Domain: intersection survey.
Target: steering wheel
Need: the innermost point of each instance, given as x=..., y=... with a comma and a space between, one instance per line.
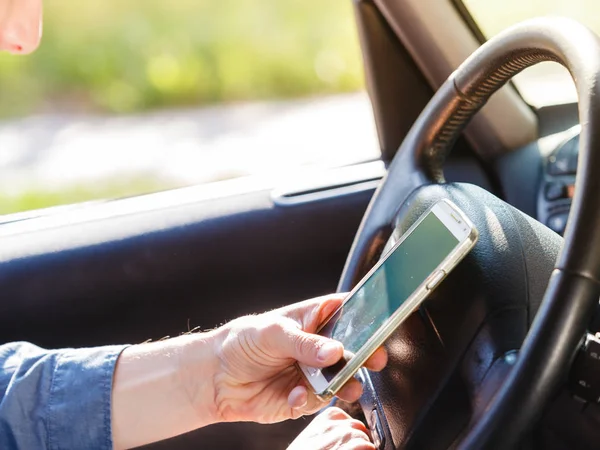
x=491, y=347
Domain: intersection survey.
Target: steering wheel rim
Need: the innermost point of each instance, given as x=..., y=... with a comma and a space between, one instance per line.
x=559, y=325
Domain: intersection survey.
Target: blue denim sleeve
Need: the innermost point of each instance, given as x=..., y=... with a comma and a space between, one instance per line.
x=56, y=399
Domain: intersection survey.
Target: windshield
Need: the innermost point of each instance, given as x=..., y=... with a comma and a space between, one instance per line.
x=546, y=83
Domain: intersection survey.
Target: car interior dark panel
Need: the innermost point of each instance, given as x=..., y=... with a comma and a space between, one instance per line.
x=558, y=185
x=539, y=178
x=568, y=424
x=398, y=91
x=520, y=174
x=556, y=118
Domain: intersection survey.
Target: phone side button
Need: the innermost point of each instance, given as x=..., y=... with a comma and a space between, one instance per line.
x=435, y=279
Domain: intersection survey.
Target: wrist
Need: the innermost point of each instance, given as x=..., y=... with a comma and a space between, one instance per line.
x=199, y=366
x=220, y=393
x=163, y=389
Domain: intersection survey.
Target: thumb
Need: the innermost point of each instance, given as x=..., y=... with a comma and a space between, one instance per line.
x=306, y=348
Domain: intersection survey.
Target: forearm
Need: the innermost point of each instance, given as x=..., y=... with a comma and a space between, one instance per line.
x=163, y=389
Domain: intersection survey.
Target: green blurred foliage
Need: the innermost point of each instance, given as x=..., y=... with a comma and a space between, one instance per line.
x=37, y=198
x=133, y=55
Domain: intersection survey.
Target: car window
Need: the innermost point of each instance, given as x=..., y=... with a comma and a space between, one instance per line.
x=133, y=96
x=546, y=83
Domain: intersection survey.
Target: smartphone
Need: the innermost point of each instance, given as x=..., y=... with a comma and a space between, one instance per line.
x=392, y=290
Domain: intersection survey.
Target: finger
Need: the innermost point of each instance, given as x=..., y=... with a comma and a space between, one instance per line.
x=309, y=314
x=325, y=309
x=354, y=438
x=288, y=341
x=360, y=444
x=358, y=425
x=304, y=402
x=298, y=397
x=335, y=413
x=378, y=360
x=351, y=391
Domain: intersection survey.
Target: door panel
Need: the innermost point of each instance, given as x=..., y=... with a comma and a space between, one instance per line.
x=148, y=274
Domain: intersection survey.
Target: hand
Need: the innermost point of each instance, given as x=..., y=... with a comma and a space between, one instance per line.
x=333, y=429
x=257, y=379
x=243, y=371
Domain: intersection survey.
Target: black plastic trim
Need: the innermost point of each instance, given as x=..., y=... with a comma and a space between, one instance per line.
x=397, y=89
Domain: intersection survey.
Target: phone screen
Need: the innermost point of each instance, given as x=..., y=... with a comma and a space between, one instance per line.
x=403, y=271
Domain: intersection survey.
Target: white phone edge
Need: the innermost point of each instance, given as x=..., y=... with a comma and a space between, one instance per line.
x=466, y=233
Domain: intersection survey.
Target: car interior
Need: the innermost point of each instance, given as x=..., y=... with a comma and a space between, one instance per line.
x=501, y=355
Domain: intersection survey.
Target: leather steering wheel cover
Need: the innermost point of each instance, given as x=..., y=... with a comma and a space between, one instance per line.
x=578, y=49
x=573, y=291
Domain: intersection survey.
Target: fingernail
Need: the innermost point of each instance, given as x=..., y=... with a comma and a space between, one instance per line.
x=303, y=404
x=301, y=400
x=328, y=351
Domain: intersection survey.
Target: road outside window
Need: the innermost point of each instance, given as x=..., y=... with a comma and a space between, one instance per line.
x=134, y=96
